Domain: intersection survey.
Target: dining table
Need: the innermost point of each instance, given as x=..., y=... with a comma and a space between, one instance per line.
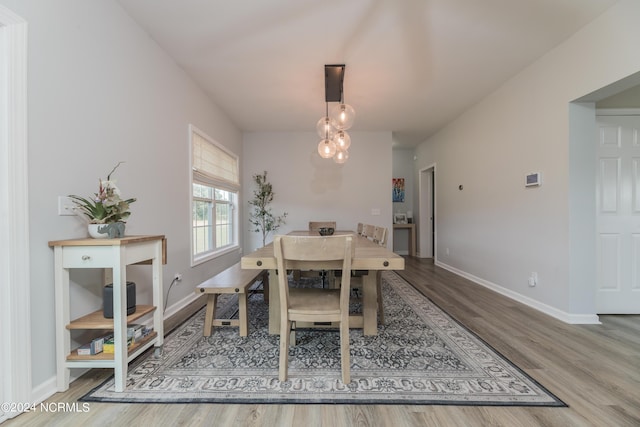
x=368, y=257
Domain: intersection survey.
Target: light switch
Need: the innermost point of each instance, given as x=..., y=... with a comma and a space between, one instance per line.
x=65, y=206
x=375, y=211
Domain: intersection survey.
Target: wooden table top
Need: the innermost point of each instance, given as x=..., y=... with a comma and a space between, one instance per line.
x=368, y=255
x=106, y=242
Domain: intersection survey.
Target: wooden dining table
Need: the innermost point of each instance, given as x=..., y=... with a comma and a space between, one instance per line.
x=368, y=256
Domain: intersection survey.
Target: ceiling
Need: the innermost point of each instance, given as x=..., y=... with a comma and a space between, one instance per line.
x=411, y=65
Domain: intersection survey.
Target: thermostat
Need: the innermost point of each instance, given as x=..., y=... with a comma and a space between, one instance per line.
x=532, y=179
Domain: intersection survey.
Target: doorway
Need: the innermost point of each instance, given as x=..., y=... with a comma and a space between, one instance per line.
x=618, y=209
x=427, y=218
x=587, y=247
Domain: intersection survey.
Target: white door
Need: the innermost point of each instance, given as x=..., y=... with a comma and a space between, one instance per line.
x=618, y=215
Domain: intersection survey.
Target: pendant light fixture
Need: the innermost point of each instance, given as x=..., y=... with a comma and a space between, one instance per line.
x=332, y=128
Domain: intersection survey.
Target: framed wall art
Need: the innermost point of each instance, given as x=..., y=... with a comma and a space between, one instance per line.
x=398, y=189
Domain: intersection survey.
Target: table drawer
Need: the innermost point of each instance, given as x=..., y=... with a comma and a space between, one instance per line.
x=88, y=257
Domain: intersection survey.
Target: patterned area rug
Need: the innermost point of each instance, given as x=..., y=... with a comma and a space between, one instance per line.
x=420, y=356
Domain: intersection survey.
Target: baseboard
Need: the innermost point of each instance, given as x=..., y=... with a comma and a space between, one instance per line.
x=48, y=388
x=177, y=306
x=584, y=319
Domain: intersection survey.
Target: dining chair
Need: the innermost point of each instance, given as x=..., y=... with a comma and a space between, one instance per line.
x=313, y=304
x=317, y=225
x=378, y=236
x=367, y=230
x=327, y=277
x=359, y=228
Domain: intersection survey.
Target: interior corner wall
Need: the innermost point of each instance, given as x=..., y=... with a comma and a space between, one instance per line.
x=403, y=168
x=100, y=91
x=496, y=231
x=310, y=188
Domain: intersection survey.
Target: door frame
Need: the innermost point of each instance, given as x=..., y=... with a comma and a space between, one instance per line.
x=15, y=317
x=427, y=226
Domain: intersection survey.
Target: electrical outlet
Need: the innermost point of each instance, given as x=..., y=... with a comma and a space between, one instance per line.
x=533, y=279
x=177, y=277
x=65, y=206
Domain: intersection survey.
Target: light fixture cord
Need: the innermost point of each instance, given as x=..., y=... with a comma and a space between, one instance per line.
x=326, y=125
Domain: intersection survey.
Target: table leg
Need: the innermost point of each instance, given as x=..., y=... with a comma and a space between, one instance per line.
x=274, y=303
x=370, y=303
x=119, y=323
x=63, y=335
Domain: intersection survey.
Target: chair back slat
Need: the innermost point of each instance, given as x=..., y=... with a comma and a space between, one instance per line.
x=380, y=235
x=367, y=230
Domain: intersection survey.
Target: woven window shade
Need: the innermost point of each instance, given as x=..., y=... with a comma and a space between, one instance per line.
x=212, y=164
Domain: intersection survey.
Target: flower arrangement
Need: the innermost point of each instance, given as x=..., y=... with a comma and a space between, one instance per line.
x=107, y=206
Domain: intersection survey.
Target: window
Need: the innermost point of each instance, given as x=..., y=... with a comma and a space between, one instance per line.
x=214, y=198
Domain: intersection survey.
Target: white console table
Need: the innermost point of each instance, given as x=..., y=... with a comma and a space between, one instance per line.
x=115, y=254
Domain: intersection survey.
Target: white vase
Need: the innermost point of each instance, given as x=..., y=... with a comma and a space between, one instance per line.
x=95, y=233
x=102, y=231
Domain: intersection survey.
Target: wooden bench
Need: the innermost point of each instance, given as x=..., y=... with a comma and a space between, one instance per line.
x=233, y=280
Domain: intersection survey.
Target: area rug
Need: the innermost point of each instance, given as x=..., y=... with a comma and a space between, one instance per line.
x=420, y=356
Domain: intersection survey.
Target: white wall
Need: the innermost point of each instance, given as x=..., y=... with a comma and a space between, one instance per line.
x=497, y=231
x=310, y=188
x=101, y=91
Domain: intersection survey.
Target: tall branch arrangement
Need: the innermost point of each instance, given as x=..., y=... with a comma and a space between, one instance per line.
x=261, y=218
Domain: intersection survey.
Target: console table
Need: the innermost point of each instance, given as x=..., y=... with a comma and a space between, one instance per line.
x=115, y=254
x=412, y=236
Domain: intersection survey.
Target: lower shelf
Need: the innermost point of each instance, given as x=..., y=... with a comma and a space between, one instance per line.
x=109, y=356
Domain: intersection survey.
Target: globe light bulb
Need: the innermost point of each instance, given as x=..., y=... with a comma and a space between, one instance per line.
x=325, y=128
x=326, y=148
x=342, y=116
x=341, y=156
x=343, y=140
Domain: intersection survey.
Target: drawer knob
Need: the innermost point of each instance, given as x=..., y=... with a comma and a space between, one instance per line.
x=386, y=263
x=86, y=257
x=259, y=263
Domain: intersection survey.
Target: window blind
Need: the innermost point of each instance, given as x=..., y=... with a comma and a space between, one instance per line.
x=212, y=164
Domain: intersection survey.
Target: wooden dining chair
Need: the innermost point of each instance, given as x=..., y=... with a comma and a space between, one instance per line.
x=313, y=304
x=379, y=236
x=327, y=277
x=359, y=228
x=367, y=230
x=317, y=225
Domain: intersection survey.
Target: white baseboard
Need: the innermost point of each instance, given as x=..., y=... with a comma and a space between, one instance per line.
x=48, y=388
x=584, y=319
x=177, y=306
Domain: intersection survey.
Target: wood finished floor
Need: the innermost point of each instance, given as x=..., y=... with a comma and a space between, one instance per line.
x=595, y=369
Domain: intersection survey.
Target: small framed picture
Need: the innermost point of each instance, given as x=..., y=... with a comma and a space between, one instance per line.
x=532, y=179
x=398, y=189
x=400, y=218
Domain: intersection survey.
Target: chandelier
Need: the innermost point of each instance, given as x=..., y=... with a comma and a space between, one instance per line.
x=332, y=127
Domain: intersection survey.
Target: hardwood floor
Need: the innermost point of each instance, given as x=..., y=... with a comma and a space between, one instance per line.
x=595, y=369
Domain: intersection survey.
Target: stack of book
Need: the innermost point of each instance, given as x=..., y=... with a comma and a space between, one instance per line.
x=105, y=344
x=94, y=347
